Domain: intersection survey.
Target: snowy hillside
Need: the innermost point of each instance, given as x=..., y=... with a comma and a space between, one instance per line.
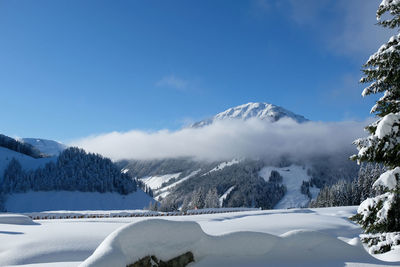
x=296, y=237
x=293, y=177
x=155, y=182
x=263, y=111
x=27, y=162
x=164, y=191
x=74, y=200
x=223, y=165
x=47, y=147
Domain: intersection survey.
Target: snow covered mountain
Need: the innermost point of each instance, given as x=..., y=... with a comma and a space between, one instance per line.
x=48, y=147
x=244, y=182
x=263, y=111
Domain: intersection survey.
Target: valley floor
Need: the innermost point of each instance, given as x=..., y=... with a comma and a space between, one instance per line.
x=68, y=242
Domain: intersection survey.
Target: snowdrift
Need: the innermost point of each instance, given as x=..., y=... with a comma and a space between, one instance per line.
x=8, y=218
x=168, y=239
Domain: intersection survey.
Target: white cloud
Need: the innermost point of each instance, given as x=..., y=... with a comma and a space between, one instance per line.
x=345, y=27
x=357, y=33
x=228, y=139
x=172, y=81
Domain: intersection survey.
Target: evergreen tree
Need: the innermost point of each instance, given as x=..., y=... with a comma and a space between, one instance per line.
x=198, y=199
x=382, y=73
x=13, y=175
x=212, y=200
x=185, y=204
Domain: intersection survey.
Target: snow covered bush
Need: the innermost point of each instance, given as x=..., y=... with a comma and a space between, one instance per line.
x=382, y=73
x=383, y=242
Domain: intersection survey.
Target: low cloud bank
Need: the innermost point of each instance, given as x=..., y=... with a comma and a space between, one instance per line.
x=227, y=139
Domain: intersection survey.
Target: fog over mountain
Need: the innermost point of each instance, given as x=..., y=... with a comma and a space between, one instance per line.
x=253, y=130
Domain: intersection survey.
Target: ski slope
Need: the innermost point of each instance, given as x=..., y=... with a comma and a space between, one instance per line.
x=293, y=177
x=155, y=182
x=296, y=237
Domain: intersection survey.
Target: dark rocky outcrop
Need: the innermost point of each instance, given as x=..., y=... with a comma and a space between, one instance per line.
x=152, y=261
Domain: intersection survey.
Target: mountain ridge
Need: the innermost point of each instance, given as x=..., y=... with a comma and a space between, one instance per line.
x=261, y=110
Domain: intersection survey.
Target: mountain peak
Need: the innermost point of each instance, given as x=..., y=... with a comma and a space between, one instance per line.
x=260, y=110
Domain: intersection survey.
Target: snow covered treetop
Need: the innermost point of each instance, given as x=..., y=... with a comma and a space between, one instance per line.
x=260, y=110
x=392, y=6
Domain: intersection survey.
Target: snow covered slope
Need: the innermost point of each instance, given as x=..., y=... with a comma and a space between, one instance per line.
x=164, y=191
x=27, y=162
x=223, y=165
x=296, y=237
x=293, y=177
x=263, y=111
x=155, y=182
x=48, y=147
x=74, y=200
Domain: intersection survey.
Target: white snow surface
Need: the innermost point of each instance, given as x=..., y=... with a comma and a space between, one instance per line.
x=388, y=179
x=27, y=162
x=296, y=237
x=124, y=171
x=48, y=147
x=293, y=177
x=74, y=200
x=386, y=126
x=155, y=182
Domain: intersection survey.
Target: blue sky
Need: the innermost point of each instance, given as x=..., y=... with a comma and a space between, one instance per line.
x=70, y=69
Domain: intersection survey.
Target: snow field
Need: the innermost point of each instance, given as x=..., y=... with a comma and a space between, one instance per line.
x=302, y=237
x=293, y=237
x=73, y=200
x=170, y=239
x=65, y=214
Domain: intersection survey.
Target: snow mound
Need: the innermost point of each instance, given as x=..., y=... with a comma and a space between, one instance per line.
x=169, y=239
x=7, y=218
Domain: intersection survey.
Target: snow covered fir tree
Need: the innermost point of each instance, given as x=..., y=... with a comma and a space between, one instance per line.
x=380, y=215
